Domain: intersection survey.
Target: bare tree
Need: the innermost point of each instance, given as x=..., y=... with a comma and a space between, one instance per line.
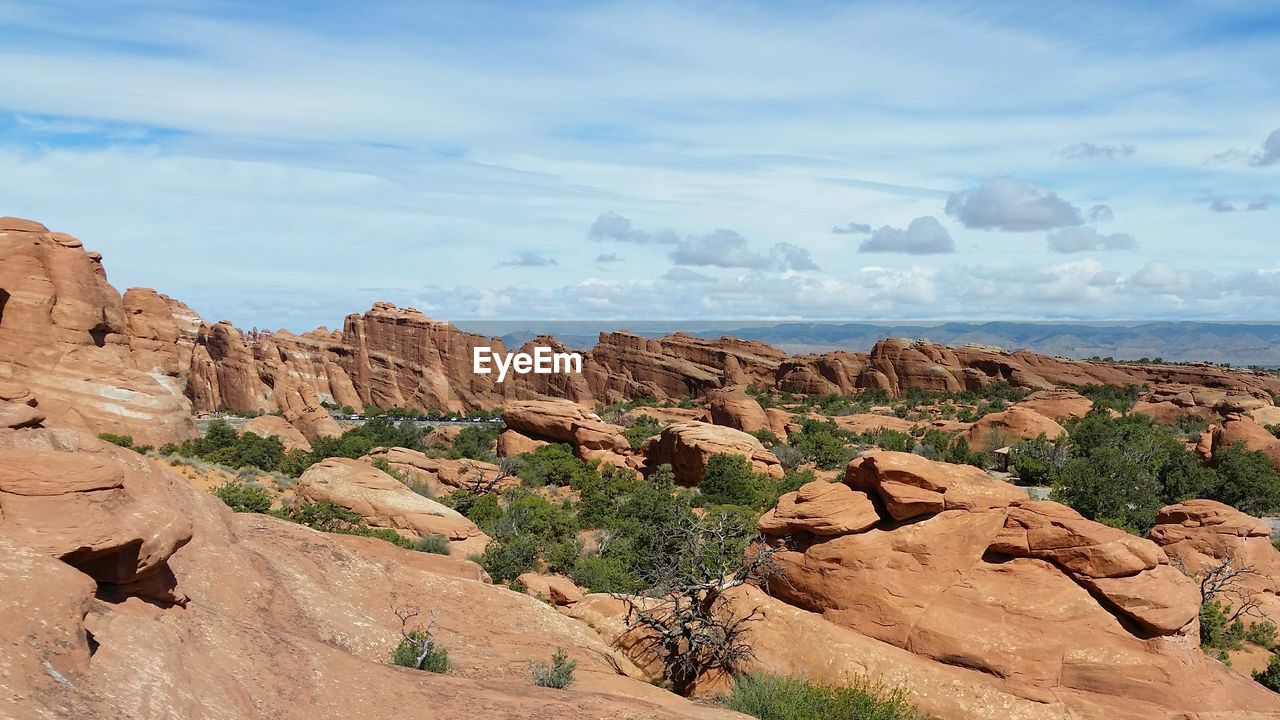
x=1220, y=581
x=417, y=644
x=480, y=484
x=678, y=621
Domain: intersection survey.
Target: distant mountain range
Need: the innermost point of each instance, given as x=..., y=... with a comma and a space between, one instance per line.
x=1240, y=344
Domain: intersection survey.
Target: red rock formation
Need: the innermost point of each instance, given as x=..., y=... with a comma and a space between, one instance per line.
x=733, y=407
x=1203, y=534
x=1005, y=428
x=64, y=334
x=276, y=426
x=689, y=446
x=281, y=621
x=1058, y=615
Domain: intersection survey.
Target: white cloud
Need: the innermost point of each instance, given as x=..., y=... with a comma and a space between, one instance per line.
x=924, y=236
x=1005, y=203
x=1088, y=239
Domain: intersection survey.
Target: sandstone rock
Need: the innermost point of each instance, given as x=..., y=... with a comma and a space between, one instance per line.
x=443, y=435
x=64, y=337
x=63, y=495
x=733, y=407
x=1005, y=428
x=687, y=447
x=557, y=589
x=284, y=622
x=1062, y=617
x=442, y=475
x=1057, y=404
x=1241, y=429
x=563, y=421
x=1203, y=534
x=382, y=500
x=512, y=443
x=19, y=415
x=276, y=426
x=820, y=508
x=911, y=486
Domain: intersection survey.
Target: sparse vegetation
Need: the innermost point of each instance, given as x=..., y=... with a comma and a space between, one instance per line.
x=777, y=697
x=244, y=497
x=558, y=674
x=418, y=647
x=434, y=544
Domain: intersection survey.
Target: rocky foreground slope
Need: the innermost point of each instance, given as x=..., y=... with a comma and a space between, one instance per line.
x=140, y=362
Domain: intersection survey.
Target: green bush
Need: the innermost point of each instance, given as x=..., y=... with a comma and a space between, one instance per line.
x=1112, y=397
x=552, y=464
x=1217, y=631
x=475, y=442
x=824, y=443
x=730, y=480
x=559, y=674
x=1270, y=677
x=418, y=650
x=124, y=441
x=776, y=697
x=507, y=560
x=642, y=429
x=1262, y=633
x=243, y=498
x=1036, y=461
x=434, y=544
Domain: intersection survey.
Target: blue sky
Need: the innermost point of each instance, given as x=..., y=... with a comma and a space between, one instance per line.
x=278, y=164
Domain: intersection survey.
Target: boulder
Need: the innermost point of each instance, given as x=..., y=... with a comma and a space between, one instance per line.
x=443, y=435
x=1236, y=428
x=556, y=589
x=911, y=486
x=443, y=475
x=567, y=422
x=820, y=508
x=512, y=443
x=1059, y=616
x=688, y=446
x=1005, y=428
x=1057, y=404
x=385, y=502
x=733, y=407
x=276, y=426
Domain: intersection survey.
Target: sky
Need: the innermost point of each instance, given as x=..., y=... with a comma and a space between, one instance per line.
x=285, y=164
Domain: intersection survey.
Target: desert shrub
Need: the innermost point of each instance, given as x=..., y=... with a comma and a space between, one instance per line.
x=603, y=574
x=1246, y=480
x=895, y=440
x=243, y=497
x=642, y=429
x=822, y=442
x=767, y=437
x=1036, y=461
x=777, y=697
x=418, y=647
x=730, y=480
x=1262, y=633
x=788, y=456
x=507, y=560
x=409, y=653
x=434, y=544
x=559, y=674
x=1112, y=397
x=552, y=464
x=1217, y=631
x=1270, y=677
x=124, y=441
x=475, y=442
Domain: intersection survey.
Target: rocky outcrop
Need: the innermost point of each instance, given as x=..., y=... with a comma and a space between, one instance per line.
x=281, y=621
x=442, y=475
x=1204, y=534
x=555, y=589
x=733, y=407
x=1009, y=426
x=567, y=422
x=820, y=508
x=1240, y=429
x=62, y=493
x=512, y=443
x=1169, y=401
x=1017, y=608
x=385, y=502
x=65, y=336
x=1059, y=404
x=687, y=447
x=276, y=426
